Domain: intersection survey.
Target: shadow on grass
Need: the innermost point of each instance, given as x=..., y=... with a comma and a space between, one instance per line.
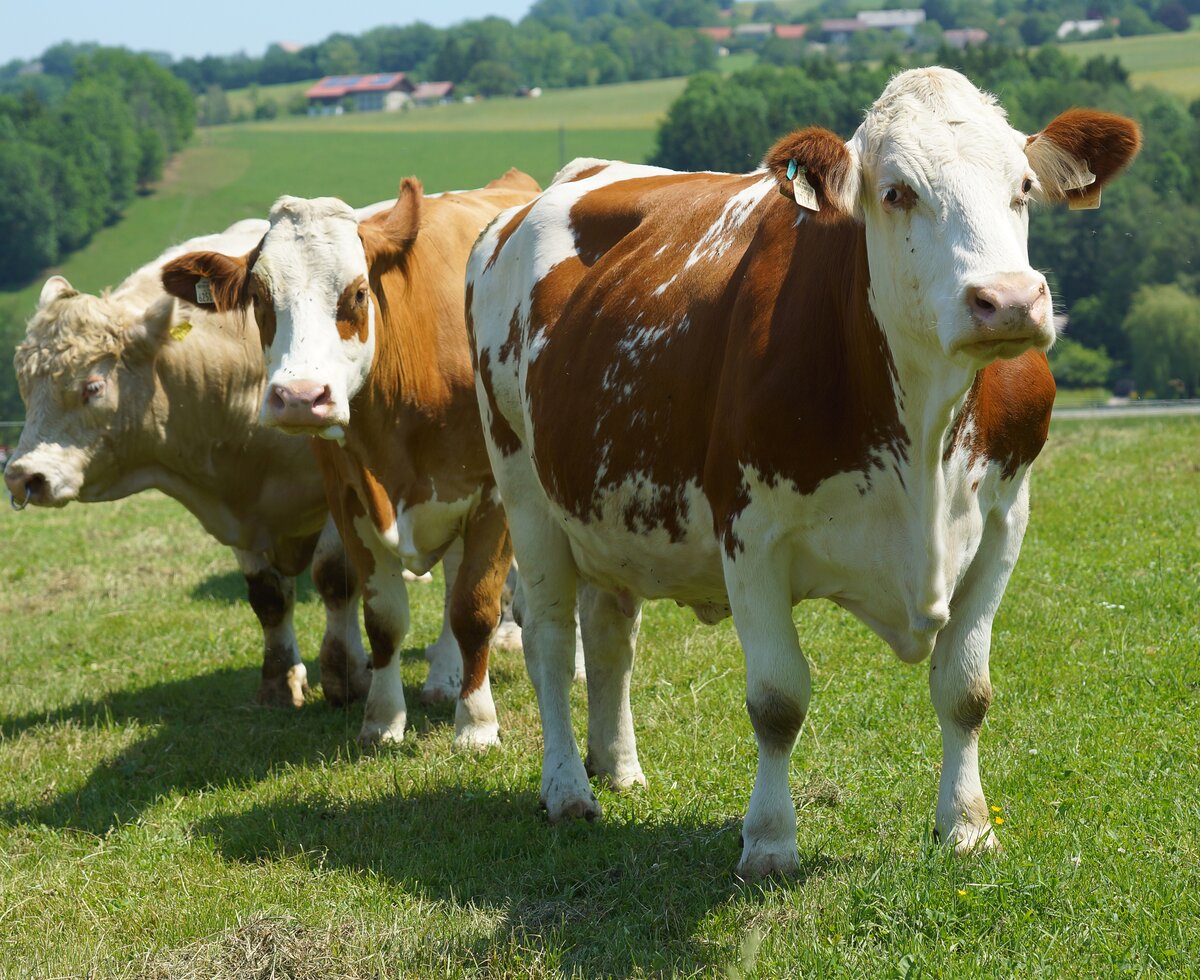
x=229, y=588
x=205, y=732
x=602, y=899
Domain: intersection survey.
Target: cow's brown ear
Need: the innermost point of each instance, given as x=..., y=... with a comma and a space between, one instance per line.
x=816, y=170
x=389, y=236
x=210, y=280
x=1079, y=152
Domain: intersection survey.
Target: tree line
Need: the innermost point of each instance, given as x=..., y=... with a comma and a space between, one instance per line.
x=76, y=145
x=560, y=44
x=1126, y=275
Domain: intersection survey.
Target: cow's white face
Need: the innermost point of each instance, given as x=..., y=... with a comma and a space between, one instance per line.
x=85, y=384
x=316, y=315
x=944, y=191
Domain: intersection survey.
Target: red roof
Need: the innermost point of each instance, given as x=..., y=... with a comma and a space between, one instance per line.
x=791, y=31
x=432, y=90
x=717, y=33
x=336, y=86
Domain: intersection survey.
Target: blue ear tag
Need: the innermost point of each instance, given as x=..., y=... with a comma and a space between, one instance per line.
x=791, y=170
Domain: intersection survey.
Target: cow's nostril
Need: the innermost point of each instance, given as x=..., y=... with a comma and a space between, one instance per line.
x=323, y=397
x=276, y=398
x=35, y=483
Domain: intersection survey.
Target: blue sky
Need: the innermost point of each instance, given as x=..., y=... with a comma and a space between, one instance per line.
x=217, y=26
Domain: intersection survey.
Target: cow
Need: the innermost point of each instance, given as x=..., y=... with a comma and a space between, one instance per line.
x=823, y=379
x=131, y=390
x=362, y=321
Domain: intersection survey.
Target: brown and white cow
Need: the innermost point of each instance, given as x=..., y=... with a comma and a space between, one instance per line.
x=131, y=390
x=361, y=315
x=697, y=387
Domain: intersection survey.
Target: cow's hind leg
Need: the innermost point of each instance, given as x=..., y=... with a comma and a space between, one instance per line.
x=344, y=674
x=609, y=638
x=474, y=612
x=273, y=598
x=445, y=661
x=778, y=687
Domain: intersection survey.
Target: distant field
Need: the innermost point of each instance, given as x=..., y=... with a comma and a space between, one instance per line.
x=156, y=825
x=243, y=99
x=1168, y=61
x=232, y=172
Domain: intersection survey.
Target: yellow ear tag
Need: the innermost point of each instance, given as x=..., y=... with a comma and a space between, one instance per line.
x=803, y=191
x=180, y=330
x=1088, y=201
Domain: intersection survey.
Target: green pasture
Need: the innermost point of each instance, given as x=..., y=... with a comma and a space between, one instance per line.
x=154, y=823
x=1169, y=61
x=236, y=171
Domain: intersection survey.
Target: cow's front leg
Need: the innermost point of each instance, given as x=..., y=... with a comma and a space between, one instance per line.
x=385, y=618
x=474, y=612
x=273, y=597
x=777, y=694
x=344, y=674
x=609, y=637
x=445, y=661
x=960, y=684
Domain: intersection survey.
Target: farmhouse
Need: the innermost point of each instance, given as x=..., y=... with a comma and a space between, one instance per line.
x=387, y=92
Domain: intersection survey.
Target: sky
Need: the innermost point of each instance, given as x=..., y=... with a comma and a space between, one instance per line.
x=217, y=26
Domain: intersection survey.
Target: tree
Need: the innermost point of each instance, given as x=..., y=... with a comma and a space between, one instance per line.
x=1076, y=366
x=493, y=78
x=1174, y=15
x=28, y=239
x=1164, y=333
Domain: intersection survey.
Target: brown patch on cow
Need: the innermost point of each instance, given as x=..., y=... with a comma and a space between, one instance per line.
x=475, y=601
x=264, y=311
x=776, y=718
x=334, y=581
x=503, y=436
x=352, y=320
x=973, y=706
x=380, y=637
x=828, y=169
x=586, y=172
x=1010, y=403
x=1104, y=141
x=271, y=597
x=506, y=233
x=763, y=353
x=389, y=236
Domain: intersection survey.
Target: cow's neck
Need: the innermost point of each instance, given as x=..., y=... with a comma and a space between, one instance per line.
x=931, y=393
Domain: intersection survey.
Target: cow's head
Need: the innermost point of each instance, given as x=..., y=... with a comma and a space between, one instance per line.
x=313, y=282
x=85, y=371
x=943, y=185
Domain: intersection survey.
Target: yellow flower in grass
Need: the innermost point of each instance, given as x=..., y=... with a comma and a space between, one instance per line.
x=999, y=821
x=997, y=809
x=962, y=893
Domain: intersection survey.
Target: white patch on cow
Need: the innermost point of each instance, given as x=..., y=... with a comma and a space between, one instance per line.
x=421, y=533
x=721, y=234
x=311, y=254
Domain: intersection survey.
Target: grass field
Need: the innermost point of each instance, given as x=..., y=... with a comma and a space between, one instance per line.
x=155, y=824
x=1168, y=61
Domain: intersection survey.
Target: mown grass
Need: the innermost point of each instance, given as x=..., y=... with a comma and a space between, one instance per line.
x=1168, y=61
x=155, y=823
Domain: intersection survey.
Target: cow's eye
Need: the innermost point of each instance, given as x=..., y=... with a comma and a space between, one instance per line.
x=92, y=388
x=1027, y=186
x=361, y=296
x=899, y=197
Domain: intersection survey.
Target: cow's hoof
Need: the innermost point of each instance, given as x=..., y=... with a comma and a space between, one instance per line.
x=439, y=693
x=570, y=806
x=508, y=637
x=288, y=691
x=768, y=860
x=616, y=778
x=378, y=736
x=477, y=738
x=974, y=841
